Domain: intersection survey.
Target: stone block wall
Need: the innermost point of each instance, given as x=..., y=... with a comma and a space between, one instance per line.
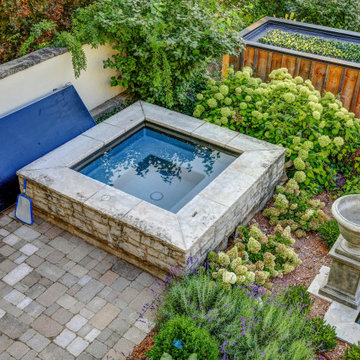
x=116, y=237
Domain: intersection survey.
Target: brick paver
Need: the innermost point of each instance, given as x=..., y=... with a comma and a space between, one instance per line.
x=61, y=298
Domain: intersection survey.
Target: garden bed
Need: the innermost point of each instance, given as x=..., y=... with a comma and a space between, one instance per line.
x=335, y=75
x=313, y=253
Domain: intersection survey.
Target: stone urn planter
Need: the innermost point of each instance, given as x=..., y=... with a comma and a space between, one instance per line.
x=343, y=283
x=346, y=211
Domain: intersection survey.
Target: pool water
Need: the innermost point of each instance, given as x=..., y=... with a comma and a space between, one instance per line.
x=159, y=168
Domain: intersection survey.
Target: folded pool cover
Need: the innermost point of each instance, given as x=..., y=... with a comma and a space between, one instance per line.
x=35, y=129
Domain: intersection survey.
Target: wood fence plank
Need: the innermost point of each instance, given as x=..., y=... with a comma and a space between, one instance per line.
x=275, y=61
x=349, y=87
x=356, y=93
x=304, y=69
x=262, y=64
x=290, y=64
x=318, y=75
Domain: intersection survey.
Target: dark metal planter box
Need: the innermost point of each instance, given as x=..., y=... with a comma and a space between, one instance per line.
x=338, y=76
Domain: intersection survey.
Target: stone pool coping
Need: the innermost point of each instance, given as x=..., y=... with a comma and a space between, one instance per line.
x=203, y=223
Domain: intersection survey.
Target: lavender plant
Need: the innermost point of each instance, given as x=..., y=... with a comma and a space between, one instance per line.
x=245, y=321
x=296, y=296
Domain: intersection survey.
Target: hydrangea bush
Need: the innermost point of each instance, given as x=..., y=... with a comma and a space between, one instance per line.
x=322, y=137
x=255, y=257
x=293, y=207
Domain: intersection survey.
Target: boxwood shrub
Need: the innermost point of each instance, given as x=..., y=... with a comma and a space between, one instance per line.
x=322, y=137
x=329, y=232
x=313, y=44
x=180, y=338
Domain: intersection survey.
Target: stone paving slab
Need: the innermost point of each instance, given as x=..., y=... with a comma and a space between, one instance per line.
x=61, y=298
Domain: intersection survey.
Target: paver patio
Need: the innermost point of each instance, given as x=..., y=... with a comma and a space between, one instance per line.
x=61, y=298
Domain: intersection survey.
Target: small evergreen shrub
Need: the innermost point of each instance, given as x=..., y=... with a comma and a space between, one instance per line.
x=294, y=207
x=323, y=336
x=180, y=338
x=313, y=44
x=296, y=296
x=322, y=138
x=167, y=356
x=255, y=258
x=353, y=353
x=329, y=232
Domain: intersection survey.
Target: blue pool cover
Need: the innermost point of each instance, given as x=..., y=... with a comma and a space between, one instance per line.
x=35, y=129
x=159, y=168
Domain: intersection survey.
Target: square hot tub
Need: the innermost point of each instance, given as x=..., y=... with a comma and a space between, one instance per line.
x=159, y=166
x=153, y=186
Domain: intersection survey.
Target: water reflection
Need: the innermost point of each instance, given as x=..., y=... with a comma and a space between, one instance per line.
x=169, y=159
x=150, y=161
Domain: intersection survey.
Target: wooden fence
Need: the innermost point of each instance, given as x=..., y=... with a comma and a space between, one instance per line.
x=342, y=78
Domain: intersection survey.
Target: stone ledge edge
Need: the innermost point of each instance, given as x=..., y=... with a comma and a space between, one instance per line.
x=28, y=60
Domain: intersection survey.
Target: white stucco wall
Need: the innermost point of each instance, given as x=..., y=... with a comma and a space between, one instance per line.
x=93, y=85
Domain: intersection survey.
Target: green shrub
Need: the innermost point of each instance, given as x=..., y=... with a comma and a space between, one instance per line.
x=323, y=336
x=167, y=356
x=253, y=10
x=313, y=44
x=293, y=207
x=160, y=46
x=255, y=258
x=36, y=32
x=201, y=299
x=297, y=296
x=342, y=14
x=24, y=25
x=353, y=353
x=193, y=339
x=329, y=232
x=275, y=333
x=246, y=323
x=322, y=138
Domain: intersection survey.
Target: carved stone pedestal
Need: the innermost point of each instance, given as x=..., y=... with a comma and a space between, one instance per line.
x=344, y=278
